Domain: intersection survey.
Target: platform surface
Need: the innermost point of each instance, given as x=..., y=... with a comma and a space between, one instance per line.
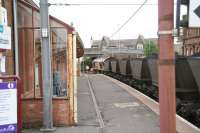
x=121, y=112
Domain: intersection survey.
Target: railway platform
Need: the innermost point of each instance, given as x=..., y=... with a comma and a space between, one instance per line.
x=105, y=107
x=120, y=112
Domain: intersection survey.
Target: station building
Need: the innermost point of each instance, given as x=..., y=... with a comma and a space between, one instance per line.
x=64, y=39
x=121, y=48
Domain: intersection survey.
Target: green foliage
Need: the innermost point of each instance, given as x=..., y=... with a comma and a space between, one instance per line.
x=86, y=62
x=150, y=48
x=184, y=21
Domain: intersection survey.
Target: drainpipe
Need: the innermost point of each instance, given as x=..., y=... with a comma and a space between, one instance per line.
x=16, y=38
x=166, y=67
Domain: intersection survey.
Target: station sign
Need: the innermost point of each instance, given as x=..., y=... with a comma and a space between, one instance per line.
x=5, y=37
x=8, y=107
x=3, y=16
x=194, y=13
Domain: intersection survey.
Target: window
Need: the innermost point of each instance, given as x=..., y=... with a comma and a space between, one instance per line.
x=140, y=46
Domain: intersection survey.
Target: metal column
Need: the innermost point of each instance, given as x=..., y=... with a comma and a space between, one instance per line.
x=46, y=67
x=16, y=38
x=166, y=67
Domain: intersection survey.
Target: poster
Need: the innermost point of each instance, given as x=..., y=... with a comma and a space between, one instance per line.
x=3, y=16
x=5, y=37
x=8, y=107
x=3, y=64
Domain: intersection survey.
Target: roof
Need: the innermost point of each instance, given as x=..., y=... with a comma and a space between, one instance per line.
x=31, y=4
x=140, y=39
x=101, y=59
x=92, y=51
x=80, y=46
x=70, y=29
x=123, y=42
x=96, y=43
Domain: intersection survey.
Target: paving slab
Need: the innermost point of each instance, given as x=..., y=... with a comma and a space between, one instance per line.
x=121, y=112
x=86, y=110
x=76, y=129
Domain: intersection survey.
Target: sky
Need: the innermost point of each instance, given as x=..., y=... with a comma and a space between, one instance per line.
x=99, y=21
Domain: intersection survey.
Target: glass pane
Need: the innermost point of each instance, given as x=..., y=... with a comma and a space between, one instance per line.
x=26, y=60
x=24, y=16
x=31, y=61
x=59, y=61
x=36, y=19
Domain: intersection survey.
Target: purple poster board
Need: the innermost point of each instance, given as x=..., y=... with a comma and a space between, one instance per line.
x=8, y=107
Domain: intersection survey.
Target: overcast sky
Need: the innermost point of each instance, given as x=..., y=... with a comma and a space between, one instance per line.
x=99, y=21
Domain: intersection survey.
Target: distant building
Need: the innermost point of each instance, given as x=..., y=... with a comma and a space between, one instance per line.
x=178, y=46
x=191, y=41
x=122, y=47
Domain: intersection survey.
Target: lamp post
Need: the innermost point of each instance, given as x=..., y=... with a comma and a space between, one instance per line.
x=46, y=67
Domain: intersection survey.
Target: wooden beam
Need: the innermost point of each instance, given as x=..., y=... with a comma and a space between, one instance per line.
x=70, y=78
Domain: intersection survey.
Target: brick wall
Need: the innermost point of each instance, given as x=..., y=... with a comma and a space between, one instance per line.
x=32, y=112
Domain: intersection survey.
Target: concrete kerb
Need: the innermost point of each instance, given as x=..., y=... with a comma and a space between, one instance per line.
x=48, y=130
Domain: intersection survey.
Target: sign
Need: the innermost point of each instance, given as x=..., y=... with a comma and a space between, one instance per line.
x=8, y=107
x=3, y=16
x=5, y=37
x=3, y=64
x=194, y=13
x=1, y=28
x=44, y=32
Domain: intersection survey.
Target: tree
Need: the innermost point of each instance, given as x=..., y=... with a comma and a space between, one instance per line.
x=86, y=62
x=150, y=48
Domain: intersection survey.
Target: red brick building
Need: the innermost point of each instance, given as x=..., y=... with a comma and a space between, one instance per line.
x=191, y=41
x=30, y=65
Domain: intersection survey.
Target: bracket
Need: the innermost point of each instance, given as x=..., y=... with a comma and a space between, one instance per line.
x=173, y=32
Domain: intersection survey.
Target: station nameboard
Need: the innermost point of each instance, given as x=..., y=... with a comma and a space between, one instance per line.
x=8, y=107
x=194, y=13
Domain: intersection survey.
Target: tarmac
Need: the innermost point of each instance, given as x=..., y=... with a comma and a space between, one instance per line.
x=120, y=111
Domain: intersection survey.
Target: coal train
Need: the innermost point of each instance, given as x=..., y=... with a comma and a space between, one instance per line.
x=142, y=74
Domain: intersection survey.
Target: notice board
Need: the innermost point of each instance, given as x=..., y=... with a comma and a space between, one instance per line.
x=8, y=107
